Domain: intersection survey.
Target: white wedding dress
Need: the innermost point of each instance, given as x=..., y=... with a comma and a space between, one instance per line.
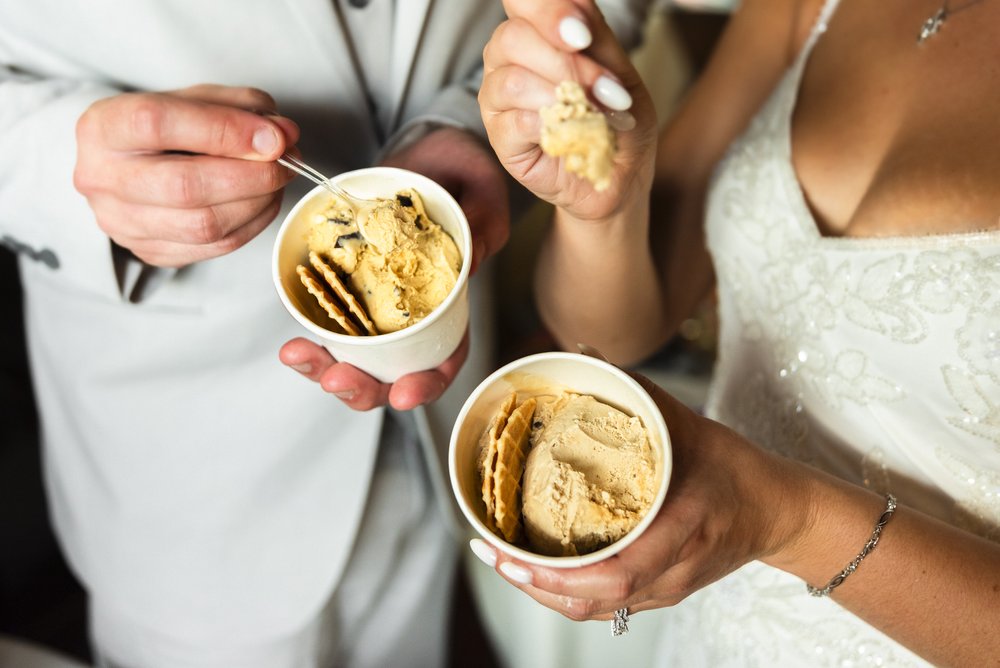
x=877, y=360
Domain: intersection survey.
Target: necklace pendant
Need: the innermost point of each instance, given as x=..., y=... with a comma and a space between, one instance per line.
x=932, y=25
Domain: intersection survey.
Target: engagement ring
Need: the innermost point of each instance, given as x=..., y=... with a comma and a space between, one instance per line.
x=619, y=625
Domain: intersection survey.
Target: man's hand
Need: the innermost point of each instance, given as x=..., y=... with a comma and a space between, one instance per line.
x=186, y=175
x=466, y=167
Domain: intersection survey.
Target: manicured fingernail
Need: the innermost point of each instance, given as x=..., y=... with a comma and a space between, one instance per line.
x=611, y=94
x=516, y=573
x=265, y=140
x=305, y=367
x=591, y=351
x=346, y=395
x=575, y=32
x=620, y=121
x=486, y=554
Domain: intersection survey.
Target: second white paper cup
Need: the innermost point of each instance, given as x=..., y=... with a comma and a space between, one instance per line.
x=387, y=357
x=549, y=373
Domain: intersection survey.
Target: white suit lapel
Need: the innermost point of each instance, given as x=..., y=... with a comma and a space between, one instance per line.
x=407, y=30
x=333, y=56
x=314, y=18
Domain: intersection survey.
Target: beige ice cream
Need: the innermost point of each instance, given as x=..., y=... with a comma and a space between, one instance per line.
x=589, y=476
x=403, y=267
x=575, y=130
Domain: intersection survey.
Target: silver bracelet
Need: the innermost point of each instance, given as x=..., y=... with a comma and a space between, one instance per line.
x=890, y=508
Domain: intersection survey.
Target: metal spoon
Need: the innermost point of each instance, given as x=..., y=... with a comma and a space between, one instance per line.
x=358, y=204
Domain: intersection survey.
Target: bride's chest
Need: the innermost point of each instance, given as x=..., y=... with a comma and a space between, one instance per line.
x=892, y=138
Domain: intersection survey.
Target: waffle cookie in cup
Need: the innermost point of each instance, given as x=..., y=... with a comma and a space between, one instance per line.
x=505, y=450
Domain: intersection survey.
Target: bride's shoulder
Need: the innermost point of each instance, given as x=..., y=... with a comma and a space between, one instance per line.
x=794, y=20
x=805, y=14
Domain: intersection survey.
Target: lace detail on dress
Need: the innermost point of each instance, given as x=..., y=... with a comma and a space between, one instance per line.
x=778, y=628
x=877, y=360
x=978, y=507
x=874, y=472
x=786, y=431
x=814, y=327
x=980, y=414
x=976, y=388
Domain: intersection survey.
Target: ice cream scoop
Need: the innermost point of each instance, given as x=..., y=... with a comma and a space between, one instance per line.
x=576, y=131
x=358, y=205
x=589, y=478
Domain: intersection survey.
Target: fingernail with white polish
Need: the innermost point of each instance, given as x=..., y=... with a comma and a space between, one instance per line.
x=611, y=94
x=575, y=32
x=485, y=553
x=591, y=351
x=621, y=121
x=516, y=573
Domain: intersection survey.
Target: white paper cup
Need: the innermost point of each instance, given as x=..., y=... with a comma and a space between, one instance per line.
x=422, y=346
x=549, y=373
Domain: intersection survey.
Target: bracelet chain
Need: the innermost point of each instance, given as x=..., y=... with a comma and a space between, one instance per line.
x=890, y=508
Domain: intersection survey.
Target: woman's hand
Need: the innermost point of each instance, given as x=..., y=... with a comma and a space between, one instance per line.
x=719, y=513
x=186, y=175
x=539, y=46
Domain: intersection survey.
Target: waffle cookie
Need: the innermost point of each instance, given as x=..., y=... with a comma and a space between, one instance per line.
x=329, y=303
x=331, y=293
x=333, y=280
x=505, y=446
x=489, y=460
x=512, y=451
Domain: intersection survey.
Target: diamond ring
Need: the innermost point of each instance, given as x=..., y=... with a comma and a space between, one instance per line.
x=619, y=625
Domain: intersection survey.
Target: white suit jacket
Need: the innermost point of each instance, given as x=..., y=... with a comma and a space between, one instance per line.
x=196, y=483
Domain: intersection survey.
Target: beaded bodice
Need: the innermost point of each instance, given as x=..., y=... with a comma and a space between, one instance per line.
x=877, y=360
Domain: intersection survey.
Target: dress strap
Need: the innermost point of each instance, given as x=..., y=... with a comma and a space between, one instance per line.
x=819, y=27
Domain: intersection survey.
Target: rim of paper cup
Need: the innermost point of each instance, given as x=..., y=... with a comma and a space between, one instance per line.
x=535, y=558
x=377, y=339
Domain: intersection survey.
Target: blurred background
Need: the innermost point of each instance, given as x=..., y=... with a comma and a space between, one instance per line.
x=43, y=607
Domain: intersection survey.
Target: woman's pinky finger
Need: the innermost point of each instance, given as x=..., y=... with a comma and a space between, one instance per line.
x=571, y=607
x=575, y=608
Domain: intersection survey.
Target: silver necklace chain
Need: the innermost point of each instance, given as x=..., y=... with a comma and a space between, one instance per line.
x=933, y=25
